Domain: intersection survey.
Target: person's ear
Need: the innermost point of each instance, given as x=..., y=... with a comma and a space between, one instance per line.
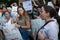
x=48, y=14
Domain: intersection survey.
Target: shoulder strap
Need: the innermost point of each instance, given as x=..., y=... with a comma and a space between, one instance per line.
x=45, y=24
x=43, y=27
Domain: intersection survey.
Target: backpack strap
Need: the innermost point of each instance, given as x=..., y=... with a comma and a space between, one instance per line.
x=42, y=28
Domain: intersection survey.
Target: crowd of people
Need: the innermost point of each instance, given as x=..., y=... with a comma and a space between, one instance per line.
x=31, y=20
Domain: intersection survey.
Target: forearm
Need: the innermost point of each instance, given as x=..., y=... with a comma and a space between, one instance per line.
x=34, y=35
x=45, y=39
x=35, y=3
x=25, y=27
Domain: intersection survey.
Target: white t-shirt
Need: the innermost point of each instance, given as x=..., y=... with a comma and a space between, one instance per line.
x=36, y=24
x=14, y=10
x=50, y=31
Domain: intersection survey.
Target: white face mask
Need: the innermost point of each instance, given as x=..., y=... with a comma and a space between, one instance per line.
x=59, y=12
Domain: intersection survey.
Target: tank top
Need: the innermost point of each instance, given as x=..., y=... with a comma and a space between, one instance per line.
x=8, y=23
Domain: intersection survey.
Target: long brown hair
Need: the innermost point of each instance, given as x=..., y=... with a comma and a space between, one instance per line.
x=25, y=14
